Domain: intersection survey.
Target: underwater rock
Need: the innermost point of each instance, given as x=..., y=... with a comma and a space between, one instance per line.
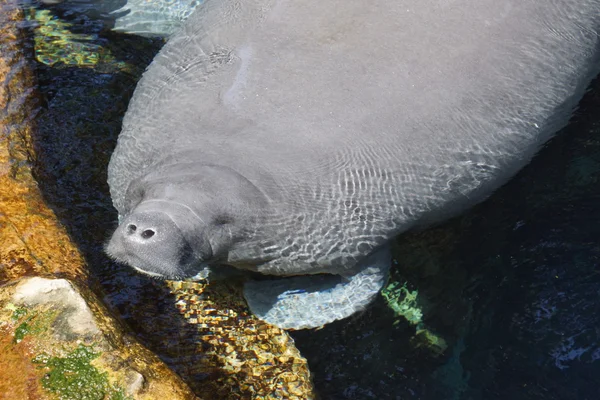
x=243, y=356
x=33, y=242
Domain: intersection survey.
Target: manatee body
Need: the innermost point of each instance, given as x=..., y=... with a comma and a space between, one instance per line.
x=140, y=17
x=299, y=138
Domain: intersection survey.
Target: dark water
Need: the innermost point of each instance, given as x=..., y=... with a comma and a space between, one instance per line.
x=512, y=287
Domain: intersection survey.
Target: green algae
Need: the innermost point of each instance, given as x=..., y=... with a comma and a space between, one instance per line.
x=429, y=340
x=30, y=323
x=22, y=330
x=18, y=312
x=403, y=301
x=74, y=376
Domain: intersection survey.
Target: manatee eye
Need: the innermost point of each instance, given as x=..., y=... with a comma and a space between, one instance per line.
x=131, y=228
x=147, y=234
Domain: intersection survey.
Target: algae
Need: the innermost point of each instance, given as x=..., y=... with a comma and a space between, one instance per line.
x=403, y=301
x=18, y=312
x=75, y=377
x=30, y=323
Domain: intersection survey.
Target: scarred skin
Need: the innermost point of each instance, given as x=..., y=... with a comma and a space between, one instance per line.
x=299, y=138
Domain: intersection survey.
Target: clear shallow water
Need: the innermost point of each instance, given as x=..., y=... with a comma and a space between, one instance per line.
x=512, y=287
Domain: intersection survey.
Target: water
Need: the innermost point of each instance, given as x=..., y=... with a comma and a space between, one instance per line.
x=505, y=298
x=512, y=287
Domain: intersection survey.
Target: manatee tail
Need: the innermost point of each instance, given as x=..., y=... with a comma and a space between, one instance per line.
x=311, y=301
x=153, y=18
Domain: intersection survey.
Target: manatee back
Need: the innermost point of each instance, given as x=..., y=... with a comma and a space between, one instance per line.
x=445, y=99
x=154, y=127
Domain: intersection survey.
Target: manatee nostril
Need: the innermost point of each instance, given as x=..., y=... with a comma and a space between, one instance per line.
x=147, y=234
x=131, y=228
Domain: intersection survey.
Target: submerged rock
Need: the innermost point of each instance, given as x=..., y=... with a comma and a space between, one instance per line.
x=33, y=242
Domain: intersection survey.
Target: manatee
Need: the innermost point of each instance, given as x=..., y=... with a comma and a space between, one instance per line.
x=297, y=139
x=141, y=17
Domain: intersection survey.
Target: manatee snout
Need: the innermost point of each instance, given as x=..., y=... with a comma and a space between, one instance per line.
x=141, y=235
x=153, y=243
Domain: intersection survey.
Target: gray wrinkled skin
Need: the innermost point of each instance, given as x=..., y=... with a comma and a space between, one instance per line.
x=299, y=138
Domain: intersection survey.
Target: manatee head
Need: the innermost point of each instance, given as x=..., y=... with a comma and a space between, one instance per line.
x=184, y=220
x=162, y=238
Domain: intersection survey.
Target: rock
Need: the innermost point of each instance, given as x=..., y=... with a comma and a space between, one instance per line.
x=70, y=352
x=74, y=315
x=33, y=243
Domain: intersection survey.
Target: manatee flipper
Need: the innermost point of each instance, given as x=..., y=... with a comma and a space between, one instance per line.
x=154, y=18
x=311, y=301
x=140, y=17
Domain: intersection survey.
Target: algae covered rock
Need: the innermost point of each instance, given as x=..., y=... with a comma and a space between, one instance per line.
x=68, y=352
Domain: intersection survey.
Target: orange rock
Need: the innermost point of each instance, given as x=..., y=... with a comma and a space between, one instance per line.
x=32, y=242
